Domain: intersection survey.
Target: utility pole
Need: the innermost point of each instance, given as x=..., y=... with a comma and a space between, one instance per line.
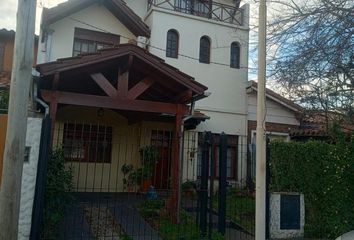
x=261, y=132
x=10, y=189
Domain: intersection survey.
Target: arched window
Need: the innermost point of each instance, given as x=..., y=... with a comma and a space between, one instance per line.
x=235, y=55
x=172, y=44
x=204, y=50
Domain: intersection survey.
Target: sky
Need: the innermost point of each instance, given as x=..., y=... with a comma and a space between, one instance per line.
x=8, y=9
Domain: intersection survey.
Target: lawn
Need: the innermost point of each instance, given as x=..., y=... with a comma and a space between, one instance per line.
x=240, y=208
x=154, y=212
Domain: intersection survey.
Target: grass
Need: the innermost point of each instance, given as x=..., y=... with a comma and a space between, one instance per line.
x=156, y=215
x=240, y=208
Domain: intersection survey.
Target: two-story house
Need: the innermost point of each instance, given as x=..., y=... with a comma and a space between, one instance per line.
x=207, y=41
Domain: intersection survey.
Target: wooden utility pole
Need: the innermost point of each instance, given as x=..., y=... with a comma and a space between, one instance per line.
x=261, y=131
x=10, y=189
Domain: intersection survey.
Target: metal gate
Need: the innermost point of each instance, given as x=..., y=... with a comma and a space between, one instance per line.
x=106, y=182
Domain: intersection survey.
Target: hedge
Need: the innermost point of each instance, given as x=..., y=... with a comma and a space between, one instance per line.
x=324, y=173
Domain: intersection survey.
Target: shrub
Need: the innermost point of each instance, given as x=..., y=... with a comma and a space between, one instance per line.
x=324, y=173
x=58, y=197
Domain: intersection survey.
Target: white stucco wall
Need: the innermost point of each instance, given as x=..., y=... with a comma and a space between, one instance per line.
x=276, y=113
x=63, y=31
x=29, y=175
x=227, y=104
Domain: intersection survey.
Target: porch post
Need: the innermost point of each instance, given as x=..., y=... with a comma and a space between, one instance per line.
x=175, y=165
x=53, y=106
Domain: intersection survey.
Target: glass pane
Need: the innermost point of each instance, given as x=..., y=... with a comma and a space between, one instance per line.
x=77, y=45
x=92, y=47
x=84, y=47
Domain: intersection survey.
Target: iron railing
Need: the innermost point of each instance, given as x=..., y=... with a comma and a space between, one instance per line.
x=206, y=9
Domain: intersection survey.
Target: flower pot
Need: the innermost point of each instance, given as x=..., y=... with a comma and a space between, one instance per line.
x=145, y=185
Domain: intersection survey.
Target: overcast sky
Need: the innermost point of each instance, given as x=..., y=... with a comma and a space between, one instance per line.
x=8, y=9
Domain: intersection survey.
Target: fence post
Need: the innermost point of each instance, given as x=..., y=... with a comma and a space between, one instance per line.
x=211, y=187
x=267, y=186
x=38, y=202
x=204, y=184
x=222, y=184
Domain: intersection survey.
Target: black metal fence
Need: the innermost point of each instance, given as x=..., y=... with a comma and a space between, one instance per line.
x=107, y=182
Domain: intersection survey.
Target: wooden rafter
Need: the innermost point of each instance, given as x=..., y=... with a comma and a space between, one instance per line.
x=123, y=83
x=108, y=102
x=140, y=88
x=104, y=84
x=183, y=96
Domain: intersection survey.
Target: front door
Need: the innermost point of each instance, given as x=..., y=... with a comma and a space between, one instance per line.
x=162, y=141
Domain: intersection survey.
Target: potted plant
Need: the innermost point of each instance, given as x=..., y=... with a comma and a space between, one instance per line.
x=129, y=177
x=188, y=189
x=148, y=157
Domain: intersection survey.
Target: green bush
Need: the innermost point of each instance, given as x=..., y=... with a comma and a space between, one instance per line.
x=4, y=101
x=324, y=173
x=58, y=197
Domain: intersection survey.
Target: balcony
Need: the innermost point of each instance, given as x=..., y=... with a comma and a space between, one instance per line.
x=202, y=8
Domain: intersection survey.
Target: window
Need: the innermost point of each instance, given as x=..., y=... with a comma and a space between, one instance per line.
x=87, y=41
x=231, y=164
x=87, y=143
x=172, y=44
x=195, y=7
x=235, y=55
x=204, y=50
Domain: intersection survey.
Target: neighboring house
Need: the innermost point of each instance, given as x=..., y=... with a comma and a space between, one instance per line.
x=7, y=41
x=282, y=118
x=317, y=124
x=207, y=40
x=282, y=115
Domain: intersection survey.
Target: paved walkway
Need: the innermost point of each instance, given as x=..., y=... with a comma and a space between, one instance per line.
x=122, y=206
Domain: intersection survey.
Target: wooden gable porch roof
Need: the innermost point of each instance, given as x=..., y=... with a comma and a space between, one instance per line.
x=117, y=7
x=149, y=79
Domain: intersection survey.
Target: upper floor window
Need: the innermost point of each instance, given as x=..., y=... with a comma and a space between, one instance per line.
x=235, y=55
x=204, y=50
x=196, y=7
x=172, y=44
x=87, y=41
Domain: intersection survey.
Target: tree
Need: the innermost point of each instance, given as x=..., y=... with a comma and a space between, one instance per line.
x=312, y=52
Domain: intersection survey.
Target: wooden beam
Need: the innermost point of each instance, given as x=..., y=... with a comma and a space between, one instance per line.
x=104, y=84
x=183, y=96
x=123, y=82
x=139, y=88
x=107, y=102
x=175, y=180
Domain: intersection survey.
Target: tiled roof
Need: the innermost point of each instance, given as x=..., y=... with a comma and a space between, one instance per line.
x=117, y=7
x=316, y=123
x=286, y=102
x=86, y=60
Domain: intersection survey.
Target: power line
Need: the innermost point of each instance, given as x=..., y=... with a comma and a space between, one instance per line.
x=155, y=47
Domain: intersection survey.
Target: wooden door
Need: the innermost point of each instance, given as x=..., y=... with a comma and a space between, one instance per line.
x=162, y=141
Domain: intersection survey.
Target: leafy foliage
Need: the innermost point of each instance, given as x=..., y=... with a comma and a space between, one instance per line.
x=240, y=208
x=58, y=197
x=4, y=100
x=324, y=173
x=155, y=213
